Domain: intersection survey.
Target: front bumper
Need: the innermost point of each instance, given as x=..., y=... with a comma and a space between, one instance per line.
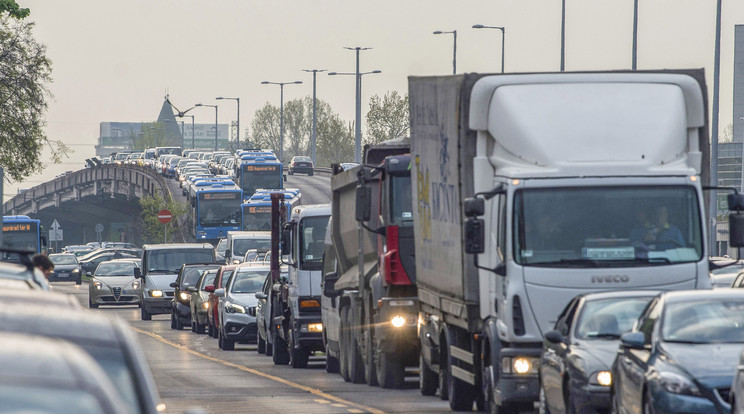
x=311, y=341
x=114, y=296
x=240, y=327
x=591, y=398
x=64, y=276
x=401, y=339
x=158, y=305
x=515, y=387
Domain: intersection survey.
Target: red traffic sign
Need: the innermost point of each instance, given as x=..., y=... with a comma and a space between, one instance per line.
x=164, y=216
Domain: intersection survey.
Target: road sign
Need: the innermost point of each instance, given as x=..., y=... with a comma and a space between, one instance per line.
x=99, y=228
x=164, y=216
x=55, y=234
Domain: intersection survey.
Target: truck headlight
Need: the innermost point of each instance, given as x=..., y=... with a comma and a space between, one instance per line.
x=156, y=293
x=398, y=321
x=519, y=365
x=312, y=327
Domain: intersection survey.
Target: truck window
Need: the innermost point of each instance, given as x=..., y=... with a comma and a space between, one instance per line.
x=312, y=236
x=401, y=206
x=608, y=226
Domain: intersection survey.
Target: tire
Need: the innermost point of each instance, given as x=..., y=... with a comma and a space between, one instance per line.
x=370, y=371
x=461, y=394
x=332, y=363
x=543, y=403
x=79, y=280
x=310, y=174
x=215, y=330
x=297, y=356
x=173, y=321
x=390, y=371
x=280, y=356
x=92, y=305
x=343, y=360
x=261, y=346
x=210, y=328
x=443, y=388
x=193, y=326
x=428, y=379
x=200, y=329
x=356, y=364
x=648, y=404
x=144, y=314
x=226, y=344
x=269, y=345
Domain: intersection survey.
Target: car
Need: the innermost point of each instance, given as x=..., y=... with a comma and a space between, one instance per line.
x=681, y=355
x=46, y=375
x=239, y=242
x=254, y=255
x=20, y=299
x=109, y=341
x=345, y=166
x=301, y=164
x=199, y=302
x=113, y=283
x=263, y=313
x=223, y=274
x=66, y=268
x=724, y=270
x=188, y=275
x=90, y=261
x=577, y=355
x=236, y=324
x=79, y=250
x=219, y=250
x=24, y=271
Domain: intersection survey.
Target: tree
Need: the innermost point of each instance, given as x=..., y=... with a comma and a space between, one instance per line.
x=25, y=72
x=13, y=9
x=728, y=134
x=387, y=118
x=154, y=134
x=335, y=141
x=265, y=127
x=150, y=228
x=297, y=127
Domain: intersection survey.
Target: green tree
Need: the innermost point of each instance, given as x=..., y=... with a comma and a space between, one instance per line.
x=13, y=9
x=25, y=72
x=387, y=118
x=335, y=140
x=296, y=132
x=265, y=127
x=727, y=134
x=152, y=229
x=153, y=135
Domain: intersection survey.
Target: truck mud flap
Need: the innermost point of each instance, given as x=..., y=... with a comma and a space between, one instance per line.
x=466, y=357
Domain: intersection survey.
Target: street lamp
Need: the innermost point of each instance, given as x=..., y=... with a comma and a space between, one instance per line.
x=281, y=113
x=563, y=35
x=238, y=118
x=503, y=39
x=358, y=117
x=357, y=129
x=454, y=51
x=215, y=122
x=315, y=118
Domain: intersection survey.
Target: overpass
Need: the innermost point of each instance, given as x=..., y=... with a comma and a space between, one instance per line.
x=106, y=194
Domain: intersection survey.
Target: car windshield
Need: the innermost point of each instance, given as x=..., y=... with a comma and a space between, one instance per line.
x=115, y=269
x=704, y=321
x=39, y=398
x=191, y=274
x=63, y=259
x=240, y=246
x=609, y=318
x=172, y=260
x=248, y=281
x=607, y=227
x=303, y=159
x=207, y=279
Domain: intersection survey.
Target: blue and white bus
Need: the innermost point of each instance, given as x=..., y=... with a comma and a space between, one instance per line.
x=258, y=169
x=257, y=210
x=23, y=233
x=216, y=210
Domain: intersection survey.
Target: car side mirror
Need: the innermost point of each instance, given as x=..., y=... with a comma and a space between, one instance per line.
x=209, y=288
x=555, y=337
x=137, y=273
x=173, y=285
x=736, y=230
x=191, y=289
x=220, y=293
x=261, y=296
x=363, y=203
x=90, y=274
x=633, y=340
x=329, y=285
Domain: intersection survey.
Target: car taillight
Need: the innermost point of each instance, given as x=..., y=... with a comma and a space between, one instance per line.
x=395, y=274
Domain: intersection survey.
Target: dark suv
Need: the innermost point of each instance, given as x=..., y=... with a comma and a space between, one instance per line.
x=301, y=164
x=180, y=305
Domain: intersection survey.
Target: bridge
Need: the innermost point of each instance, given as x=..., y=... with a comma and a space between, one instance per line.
x=106, y=194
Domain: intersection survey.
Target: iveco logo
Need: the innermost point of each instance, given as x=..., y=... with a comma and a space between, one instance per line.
x=611, y=279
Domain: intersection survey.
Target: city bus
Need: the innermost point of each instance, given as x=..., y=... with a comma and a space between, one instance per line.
x=22, y=233
x=216, y=209
x=258, y=169
x=257, y=209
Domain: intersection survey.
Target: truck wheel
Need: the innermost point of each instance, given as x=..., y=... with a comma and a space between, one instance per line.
x=461, y=394
x=332, y=363
x=390, y=370
x=356, y=364
x=261, y=347
x=370, y=372
x=343, y=361
x=144, y=314
x=297, y=356
x=428, y=380
x=443, y=390
x=279, y=355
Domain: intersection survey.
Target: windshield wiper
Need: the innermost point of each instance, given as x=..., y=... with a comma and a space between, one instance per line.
x=567, y=262
x=603, y=335
x=682, y=341
x=161, y=271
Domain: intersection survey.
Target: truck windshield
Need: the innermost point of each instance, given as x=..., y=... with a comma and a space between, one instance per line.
x=400, y=201
x=607, y=227
x=312, y=236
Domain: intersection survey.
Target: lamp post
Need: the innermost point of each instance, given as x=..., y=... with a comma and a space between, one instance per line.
x=714, y=131
x=315, y=117
x=358, y=129
x=192, y=127
x=358, y=114
x=215, y=122
x=635, y=33
x=503, y=39
x=237, y=138
x=454, y=50
x=563, y=35
x=281, y=113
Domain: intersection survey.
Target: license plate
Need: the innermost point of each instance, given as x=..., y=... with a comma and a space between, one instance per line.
x=63, y=274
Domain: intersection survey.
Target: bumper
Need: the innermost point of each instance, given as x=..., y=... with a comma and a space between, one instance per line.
x=519, y=388
x=301, y=170
x=312, y=341
x=64, y=276
x=398, y=339
x=670, y=403
x=591, y=398
x=240, y=327
x=111, y=298
x=157, y=305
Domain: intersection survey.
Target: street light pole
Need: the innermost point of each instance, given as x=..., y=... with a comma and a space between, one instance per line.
x=237, y=138
x=563, y=35
x=357, y=154
x=315, y=117
x=454, y=49
x=503, y=39
x=714, y=133
x=358, y=115
x=281, y=114
x=215, y=122
x=635, y=33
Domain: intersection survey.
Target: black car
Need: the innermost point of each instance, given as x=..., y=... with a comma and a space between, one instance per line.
x=181, y=303
x=301, y=164
x=682, y=354
x=66, y=268
x=577, y=355
x=90, y=261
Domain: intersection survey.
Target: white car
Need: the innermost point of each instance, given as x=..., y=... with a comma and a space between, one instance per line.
x=236, y=323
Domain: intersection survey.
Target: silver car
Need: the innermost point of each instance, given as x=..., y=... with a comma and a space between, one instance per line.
x=113, y=283
x=236, y=324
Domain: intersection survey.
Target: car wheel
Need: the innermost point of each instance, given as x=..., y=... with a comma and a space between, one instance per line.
x=79, y=280
x=92, y=305
x=648, y=403
x=200, y=328
x=144, y=314
x=173, y=321
x=428, y=380
x=310, y=174
x=193, y=326
x=179, y=325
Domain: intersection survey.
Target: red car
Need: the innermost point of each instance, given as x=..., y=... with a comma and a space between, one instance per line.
x=223, y=274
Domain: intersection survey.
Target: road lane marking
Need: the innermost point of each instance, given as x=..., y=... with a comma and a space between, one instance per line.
x=311, y=390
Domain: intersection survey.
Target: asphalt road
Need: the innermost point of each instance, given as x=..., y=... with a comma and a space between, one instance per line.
x=191, y=371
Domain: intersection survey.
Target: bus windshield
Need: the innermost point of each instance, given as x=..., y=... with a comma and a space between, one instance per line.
x=607, y=227
x=219, y=209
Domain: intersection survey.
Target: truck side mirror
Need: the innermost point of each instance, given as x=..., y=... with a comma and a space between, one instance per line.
x=474, y=236
x=363, y=203
x=736, y=202
x=137, y=273
x=736, y=230
x=228, y=254
x=329, y=285
x=474, y=207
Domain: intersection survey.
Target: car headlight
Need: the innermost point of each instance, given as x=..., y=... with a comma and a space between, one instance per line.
x=156, y=293
x=77, y=270
x=135, y=284
x=205, y=305
x=678, y=384
x=234, y=308
x=603, y=378
x=312, y=327
x=185, y=297
x=98, y=285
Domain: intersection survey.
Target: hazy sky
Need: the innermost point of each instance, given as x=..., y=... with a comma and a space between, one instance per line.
x=116, y=60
